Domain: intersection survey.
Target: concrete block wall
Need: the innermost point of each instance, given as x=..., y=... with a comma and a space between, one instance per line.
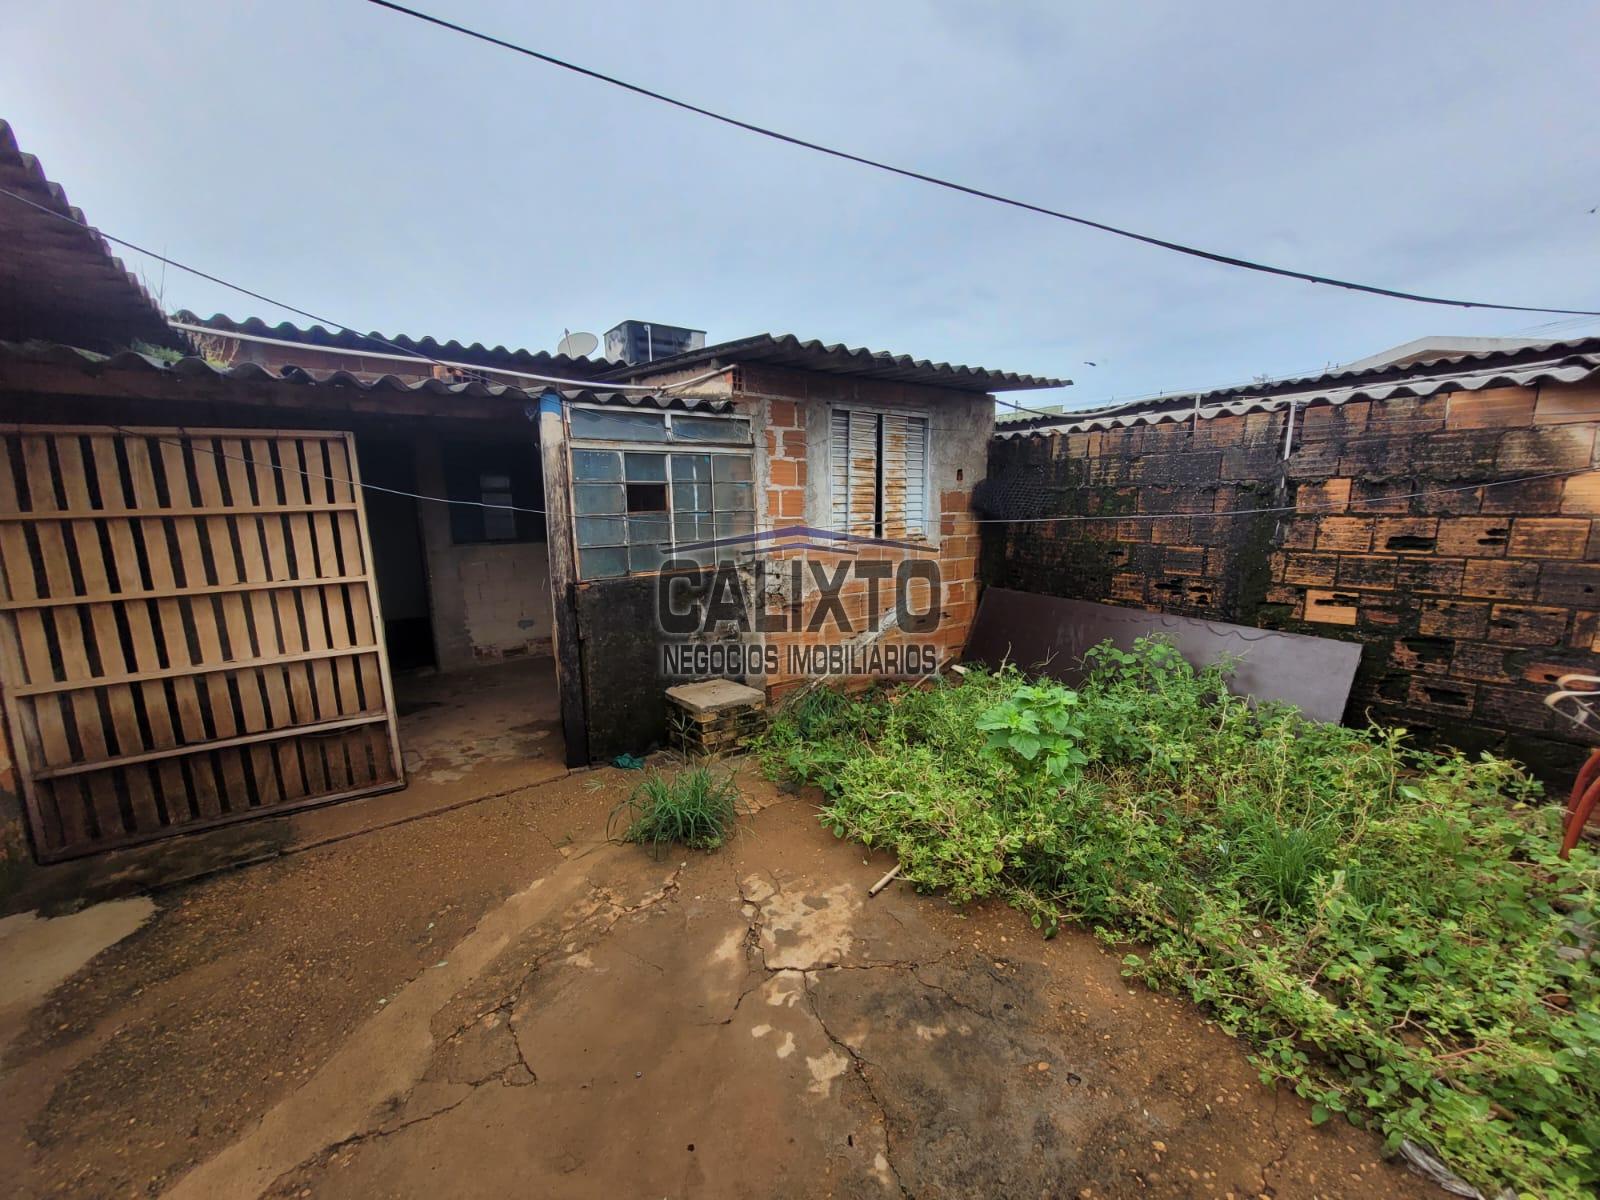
x=793, y=411
x=1469, y=602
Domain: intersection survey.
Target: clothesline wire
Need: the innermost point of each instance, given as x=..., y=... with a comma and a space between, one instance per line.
x=1061, y=519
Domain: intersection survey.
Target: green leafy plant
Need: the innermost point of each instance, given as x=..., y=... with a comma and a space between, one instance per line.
x=1389, y=928
x=1035, y=723
x=696, y=807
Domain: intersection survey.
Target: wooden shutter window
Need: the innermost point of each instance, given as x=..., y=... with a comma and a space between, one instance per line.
x=878, y=473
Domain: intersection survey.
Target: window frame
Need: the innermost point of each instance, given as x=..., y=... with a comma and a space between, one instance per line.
x=926, y=532
x=739, y=445
x=613, y=443
x=474, y=458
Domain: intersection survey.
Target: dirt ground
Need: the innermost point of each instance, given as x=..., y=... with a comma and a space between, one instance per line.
x=494, y=1001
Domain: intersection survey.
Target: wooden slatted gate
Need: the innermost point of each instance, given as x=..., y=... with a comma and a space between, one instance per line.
x=189, y=630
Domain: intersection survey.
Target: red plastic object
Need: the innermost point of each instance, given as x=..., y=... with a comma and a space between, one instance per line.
x=1585, y=795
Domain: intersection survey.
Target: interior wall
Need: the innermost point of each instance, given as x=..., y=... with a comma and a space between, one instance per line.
x=490, y=600
x=394, y=527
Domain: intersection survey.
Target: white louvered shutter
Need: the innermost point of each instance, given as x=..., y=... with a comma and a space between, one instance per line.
x=839, y=469
x=854, y=472
x=905, y=483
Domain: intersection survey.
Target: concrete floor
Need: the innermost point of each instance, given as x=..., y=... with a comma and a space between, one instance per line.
x=464, y=736
x=495, y=1001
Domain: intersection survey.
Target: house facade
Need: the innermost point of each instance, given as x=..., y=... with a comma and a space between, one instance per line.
x=230, y=546
x=840, y=458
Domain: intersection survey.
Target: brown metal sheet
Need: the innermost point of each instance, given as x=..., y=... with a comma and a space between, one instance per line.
x=1050, y=635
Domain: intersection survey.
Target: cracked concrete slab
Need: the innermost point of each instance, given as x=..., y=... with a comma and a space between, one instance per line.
x=749, y=1023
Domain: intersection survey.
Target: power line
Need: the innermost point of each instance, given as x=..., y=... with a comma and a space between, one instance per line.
x=373, y=337
x=311, y=316
x=965, y=189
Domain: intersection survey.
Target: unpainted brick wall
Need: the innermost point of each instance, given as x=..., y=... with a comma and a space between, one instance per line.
x=1469, y=603
x=792, y=411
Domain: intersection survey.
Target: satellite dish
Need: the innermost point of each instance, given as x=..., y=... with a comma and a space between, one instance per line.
x=578, y=345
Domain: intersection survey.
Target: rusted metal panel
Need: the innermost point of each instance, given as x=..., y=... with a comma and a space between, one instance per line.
x=1050, y=635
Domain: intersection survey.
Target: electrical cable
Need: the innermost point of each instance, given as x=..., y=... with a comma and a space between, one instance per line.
x=965, y=189
x=1236, y=512
x=379, y=339
x=598, y=385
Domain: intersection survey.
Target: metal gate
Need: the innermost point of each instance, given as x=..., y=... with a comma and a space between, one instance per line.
x=189, y=630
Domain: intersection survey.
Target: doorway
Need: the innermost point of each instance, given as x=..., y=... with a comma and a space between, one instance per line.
x=398, y=557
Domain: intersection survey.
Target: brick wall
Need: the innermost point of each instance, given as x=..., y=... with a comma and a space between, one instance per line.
x=1469, y=603
x=792, y=411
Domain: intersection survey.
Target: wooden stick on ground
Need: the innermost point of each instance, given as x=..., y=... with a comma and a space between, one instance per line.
x=884, y=882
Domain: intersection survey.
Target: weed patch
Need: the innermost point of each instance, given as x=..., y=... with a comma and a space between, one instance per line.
x=695, y=807
x=1390, y=928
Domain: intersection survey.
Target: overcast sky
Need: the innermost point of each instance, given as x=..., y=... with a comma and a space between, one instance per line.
x=401, y=178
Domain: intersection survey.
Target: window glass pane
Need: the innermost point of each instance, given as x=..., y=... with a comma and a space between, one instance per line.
x=646, y=468
x=691, y=497
x=680, y=557
x=647, y=497
x=734, y=496
x=692, y=468
x=601, y=531
x=692, y=527
x=597, y=465
x=733, y=524
x=618, y=426
x=601, y=564
x=648, y=531
x=646, y=558
x=731, y=468
x=710, y=429
x=499, y=525
x=590, y=498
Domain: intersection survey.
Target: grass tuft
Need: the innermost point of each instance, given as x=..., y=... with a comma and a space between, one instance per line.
x=695, y=807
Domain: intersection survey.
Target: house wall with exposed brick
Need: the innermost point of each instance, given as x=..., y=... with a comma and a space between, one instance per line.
x=792, y=411
x=1469, y=602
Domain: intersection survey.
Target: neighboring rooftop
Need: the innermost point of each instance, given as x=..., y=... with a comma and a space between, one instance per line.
x=1511, y=362
x=1431, y=349
x=381, y=346
x=59, y=280
x=786, y=350
x=127, y=364
x=1007, y=416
